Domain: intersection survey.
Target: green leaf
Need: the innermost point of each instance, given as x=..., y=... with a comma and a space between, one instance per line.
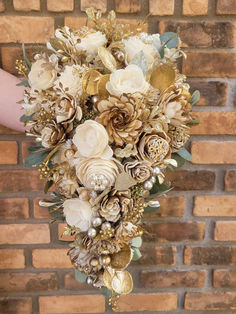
x=185, y=154
x=80, y=276
x=47, y=186
x=27, y=62
x=25, y=118
x=140, y=60
x=169, y=39
x=136, y=254
x=55, y=214
x=157, y=187
x=180, y=160
x=151, y=209
x=137, y=242
x=106, y=292
x=193, y=122
x=23, y=83
x=162, y=51
x=195, y=97
x=36, y=158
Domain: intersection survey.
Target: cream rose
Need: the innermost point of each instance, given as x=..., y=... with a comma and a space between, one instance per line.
x=78, y=213
x=97, y=173
x=127, y=81
x=92, y=42
x=70, y=78
x=172, y=109
x=134, y=45
x=42, y=75
x=91, y=140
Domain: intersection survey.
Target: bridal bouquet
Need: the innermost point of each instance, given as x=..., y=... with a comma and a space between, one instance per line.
x=111, y=114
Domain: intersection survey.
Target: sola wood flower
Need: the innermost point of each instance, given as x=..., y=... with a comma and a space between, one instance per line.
x=110, y=113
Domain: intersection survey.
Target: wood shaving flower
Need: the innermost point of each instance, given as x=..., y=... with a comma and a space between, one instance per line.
x=66, y=110
x=126, y=231
x=114, y=204
x=121, y=118
x=154, y=148
x=139, y=170
x=52, y=134
x=179, y=137
x=97, y=173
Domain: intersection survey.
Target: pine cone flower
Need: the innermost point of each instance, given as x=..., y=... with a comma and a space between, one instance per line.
x=114, y=204
x=121, y=118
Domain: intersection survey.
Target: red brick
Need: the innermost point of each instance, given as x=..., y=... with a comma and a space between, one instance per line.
x=20, y=181
x=40, y=212
x=213, y=152
x=72, y=284
x=157, y=256
x=161, y=7
x=203, y=34
x=24, y=149
x=51, y=258
x=172, y=231
x=12, y=259
x=75, y=22
x=224, y=278
x=28, y=282
x=170, y=206
x=2, y=6
x=214, y=205
x=60, y=6
x=98, y=5
x=26, y=5
x=213, y=93
x=147, y=302
x=5, y=130
x=16, y=305
x=8, y=153
x=184, y=180
x=210, y=64
x=29, y=234
x=14, y=208
x=215, y=123
x=11, y=54
x=127, y=6
x=173, y=279
x=18, y=29
x=72, y=304
x=230, y=180
x=215, y=255
x=225, y=231
x=61, y=229
x=197, y=7
x=210, y=301
x=226, y=7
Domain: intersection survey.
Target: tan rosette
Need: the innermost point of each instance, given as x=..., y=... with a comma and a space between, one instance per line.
x=154, y=148
x=118, y=281
x=122, y=119
x=98, y=246
x=66, y=110
x=139, y=170
x=52, y=134
x=115, y=204
x=126, y=231
x=179, y=137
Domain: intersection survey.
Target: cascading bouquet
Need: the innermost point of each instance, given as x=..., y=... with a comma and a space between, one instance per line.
x=111, y=114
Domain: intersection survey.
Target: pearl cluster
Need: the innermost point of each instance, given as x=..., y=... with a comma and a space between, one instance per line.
x=99, y=183
x=148, y=185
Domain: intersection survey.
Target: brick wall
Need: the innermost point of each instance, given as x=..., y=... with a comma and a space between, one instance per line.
x=190, y=263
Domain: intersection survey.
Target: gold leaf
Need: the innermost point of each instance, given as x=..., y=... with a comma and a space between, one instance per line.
x=121, y=259
x=122, y=282
x=107, y=277
x=56, y=44
x=107, y=59
x=102, y=91
x=162, y=77
x=90, y=82
x=124, y=181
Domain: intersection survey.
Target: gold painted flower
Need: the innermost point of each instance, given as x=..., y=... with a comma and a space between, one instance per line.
x=121, y=118
x=139, y=170
x=52, y=134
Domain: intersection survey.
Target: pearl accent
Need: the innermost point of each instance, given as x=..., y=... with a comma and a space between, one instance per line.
x=148, y=185
x=89, y=281
x=153, y=179
x=104, y=260
x=97, y=222
x=94, y=99
x=94, y=262
x=156, y=170
x=106, y=225
x=92, y=232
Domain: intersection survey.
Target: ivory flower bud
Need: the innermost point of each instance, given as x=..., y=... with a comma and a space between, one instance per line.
x=92, y=42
